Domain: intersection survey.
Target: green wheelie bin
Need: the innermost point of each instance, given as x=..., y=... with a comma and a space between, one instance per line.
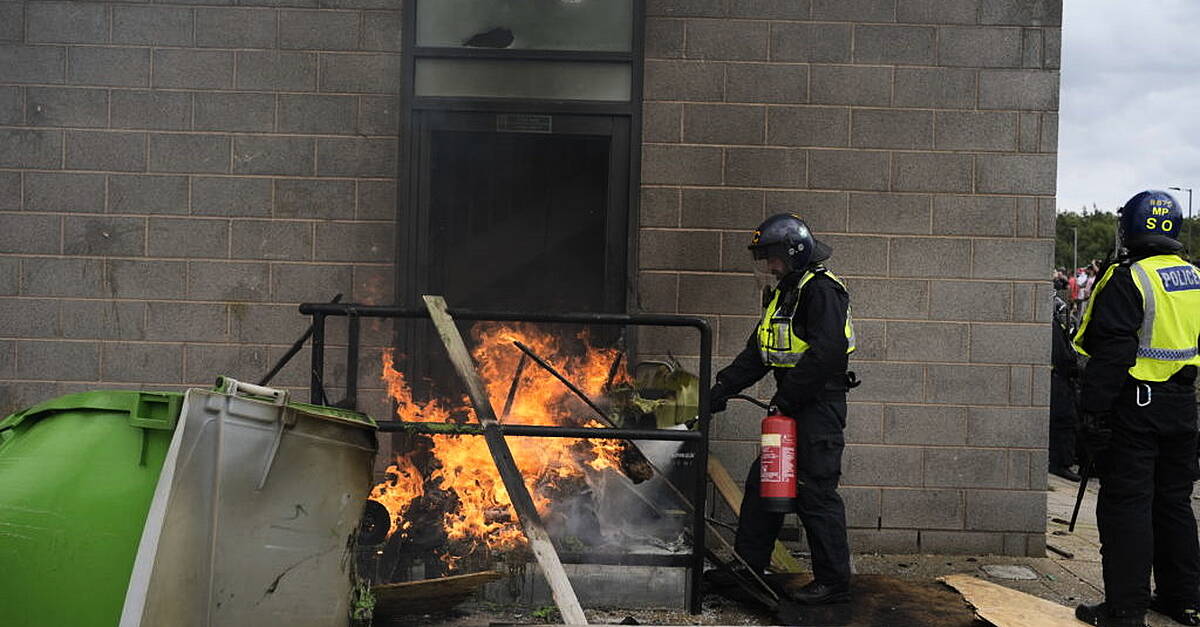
x=77, y=475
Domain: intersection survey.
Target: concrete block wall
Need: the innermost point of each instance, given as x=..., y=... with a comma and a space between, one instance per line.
x=175, y=177
x=918, y=137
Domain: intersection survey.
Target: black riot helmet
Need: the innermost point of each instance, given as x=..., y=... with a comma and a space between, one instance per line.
x=785, y=236
x=1151, y=219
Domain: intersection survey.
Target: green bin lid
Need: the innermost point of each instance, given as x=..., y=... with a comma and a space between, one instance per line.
x=148, y=410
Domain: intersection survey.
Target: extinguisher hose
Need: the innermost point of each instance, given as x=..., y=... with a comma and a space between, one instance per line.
x=751, y=399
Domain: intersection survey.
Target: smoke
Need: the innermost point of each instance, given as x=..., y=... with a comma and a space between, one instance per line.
x=647, y=517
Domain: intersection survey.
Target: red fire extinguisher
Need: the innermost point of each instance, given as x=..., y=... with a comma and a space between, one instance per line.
x=777, y=460
x=778, y=463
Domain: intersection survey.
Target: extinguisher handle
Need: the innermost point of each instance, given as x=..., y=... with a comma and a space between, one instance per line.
x=752, y=400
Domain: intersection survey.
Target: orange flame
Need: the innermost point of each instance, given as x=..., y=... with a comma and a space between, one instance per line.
x=482, y=514
x=403, y=484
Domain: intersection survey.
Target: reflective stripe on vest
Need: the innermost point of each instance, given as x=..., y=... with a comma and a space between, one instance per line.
x=778, y=344
x=1167, y=339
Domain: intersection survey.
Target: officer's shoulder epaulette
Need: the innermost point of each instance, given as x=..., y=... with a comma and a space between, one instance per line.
x=822, y=271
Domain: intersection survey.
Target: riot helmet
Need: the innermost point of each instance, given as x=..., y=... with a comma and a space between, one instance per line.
x=786, y=237
x=1151, y=219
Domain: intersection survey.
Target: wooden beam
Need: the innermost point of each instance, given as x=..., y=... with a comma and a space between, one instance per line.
x=781, y=559
x=531, y=523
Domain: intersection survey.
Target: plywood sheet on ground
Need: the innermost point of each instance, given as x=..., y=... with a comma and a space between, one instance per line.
x=427, y=595
x=1005, y=607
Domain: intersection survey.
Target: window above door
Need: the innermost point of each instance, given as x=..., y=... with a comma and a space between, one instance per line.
x=580, y=25
x=570, y=51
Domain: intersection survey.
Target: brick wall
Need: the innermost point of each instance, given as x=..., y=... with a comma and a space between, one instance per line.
x=175, y=177
x=918, y=137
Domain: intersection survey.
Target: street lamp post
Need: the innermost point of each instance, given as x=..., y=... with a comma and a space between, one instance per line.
x=1188, y=228
x=1074, y=249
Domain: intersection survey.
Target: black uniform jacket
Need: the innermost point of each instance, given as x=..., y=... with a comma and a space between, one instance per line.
x=819, y=320
x=1062, y=354
x=1111, y=338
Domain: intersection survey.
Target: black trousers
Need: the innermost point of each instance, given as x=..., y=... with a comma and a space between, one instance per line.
x=1062, y=421
x=819, y=444
x=1144, y=509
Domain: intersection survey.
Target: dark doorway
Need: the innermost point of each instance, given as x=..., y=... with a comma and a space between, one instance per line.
x=517, y=220
x=532, y=219
x=514, y=212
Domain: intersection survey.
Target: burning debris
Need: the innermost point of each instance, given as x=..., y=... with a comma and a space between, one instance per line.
x=444, y=496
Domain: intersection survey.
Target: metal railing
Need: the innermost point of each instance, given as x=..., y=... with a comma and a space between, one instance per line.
x=354, y=312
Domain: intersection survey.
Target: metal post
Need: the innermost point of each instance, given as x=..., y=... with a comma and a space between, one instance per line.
x=512, y=389
x=1075, y=250
x=351, y=401
x=1188, y=223
x=701, y=470
x=1187, y=231
x=316, y=388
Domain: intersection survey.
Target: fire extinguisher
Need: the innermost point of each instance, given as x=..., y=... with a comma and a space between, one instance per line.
x=777, y=460
x=778, y=463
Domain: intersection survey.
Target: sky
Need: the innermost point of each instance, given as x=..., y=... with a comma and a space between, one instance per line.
x=1128, y=114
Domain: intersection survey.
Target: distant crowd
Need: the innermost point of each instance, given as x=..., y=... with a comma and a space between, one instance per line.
x=1075, y=288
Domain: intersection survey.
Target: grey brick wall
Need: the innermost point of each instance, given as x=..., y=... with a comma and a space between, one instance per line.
x=176, y=177
x=919, y=138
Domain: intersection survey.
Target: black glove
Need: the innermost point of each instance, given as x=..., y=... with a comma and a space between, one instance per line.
x=718, y=398
x=1096, y=433
x=783, y=405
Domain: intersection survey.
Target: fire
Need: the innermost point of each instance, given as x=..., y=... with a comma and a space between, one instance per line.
x=404, y=483
x=457, y=475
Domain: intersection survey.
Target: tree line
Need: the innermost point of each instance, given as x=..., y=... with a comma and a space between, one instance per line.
x=1097, y=234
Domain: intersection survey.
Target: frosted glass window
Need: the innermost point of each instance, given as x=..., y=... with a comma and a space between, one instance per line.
x=549, y=80
x=595, y=25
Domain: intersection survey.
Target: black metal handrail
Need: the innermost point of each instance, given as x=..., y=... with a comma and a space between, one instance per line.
x=354, y=311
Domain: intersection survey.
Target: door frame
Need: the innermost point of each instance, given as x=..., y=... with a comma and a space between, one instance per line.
x=411, y=245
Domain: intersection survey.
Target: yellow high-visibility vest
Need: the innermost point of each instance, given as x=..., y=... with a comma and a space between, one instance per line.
x=1167, y=341
x=778, y=343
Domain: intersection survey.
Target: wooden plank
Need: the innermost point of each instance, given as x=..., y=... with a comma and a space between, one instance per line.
x=428, y=595
x=531, y=523
x=781, y=559
x=1005, y=607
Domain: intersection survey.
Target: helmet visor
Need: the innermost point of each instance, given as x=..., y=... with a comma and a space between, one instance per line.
x=768, y=251
x=763, y=279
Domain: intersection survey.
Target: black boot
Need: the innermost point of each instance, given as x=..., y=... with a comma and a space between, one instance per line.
x=1185, y=614
x=1101, y=616
x=817, y=593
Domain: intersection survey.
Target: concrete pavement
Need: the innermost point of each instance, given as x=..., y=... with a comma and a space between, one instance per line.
x=1064, y=580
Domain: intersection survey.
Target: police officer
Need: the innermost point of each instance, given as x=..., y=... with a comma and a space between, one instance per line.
x=1138, y=412
x=1063, y=374
x=803, y=338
